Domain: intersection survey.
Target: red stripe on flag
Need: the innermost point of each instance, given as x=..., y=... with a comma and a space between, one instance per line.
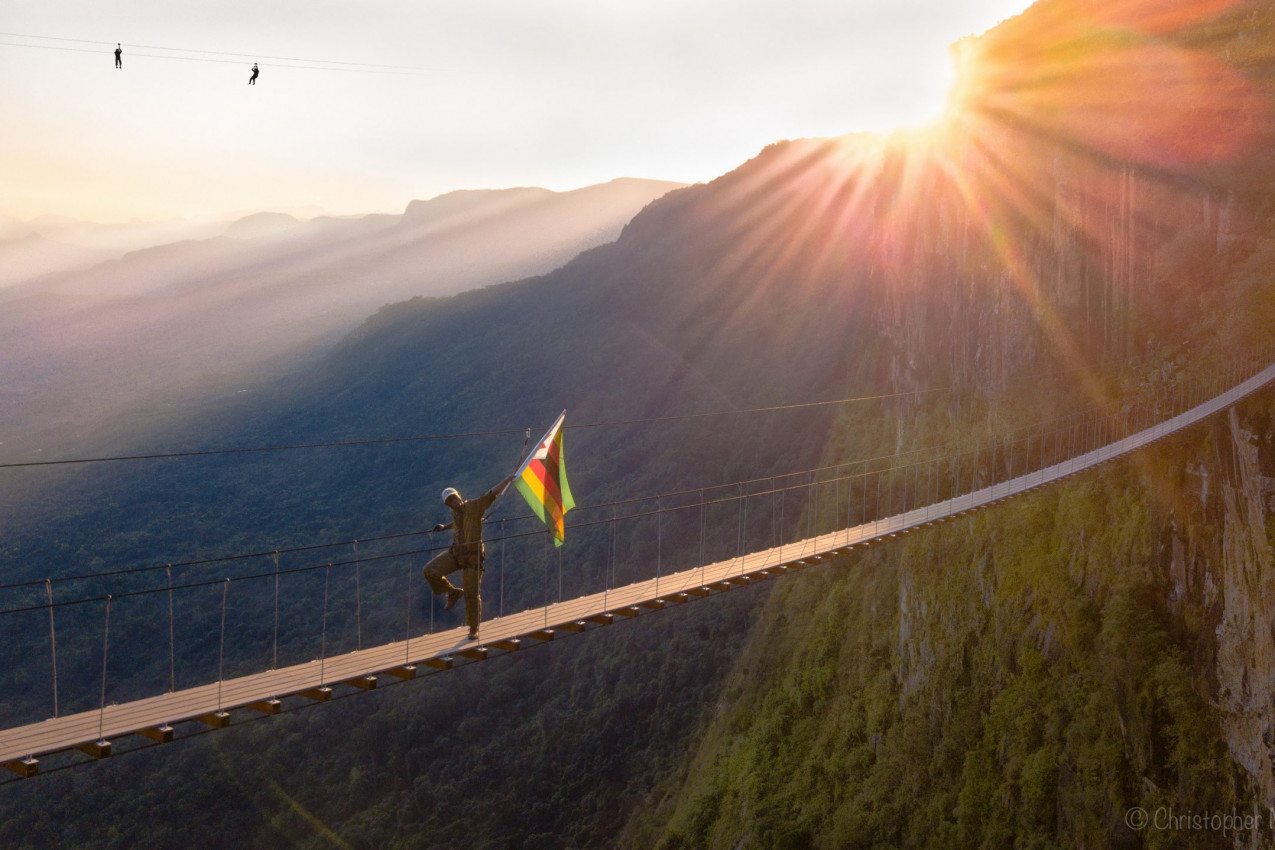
x=554, y=464
x=549, y=478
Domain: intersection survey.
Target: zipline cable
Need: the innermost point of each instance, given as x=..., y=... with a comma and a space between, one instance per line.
x=309, y=64
x=455, y=436
x=294, y=66
x=498, y=432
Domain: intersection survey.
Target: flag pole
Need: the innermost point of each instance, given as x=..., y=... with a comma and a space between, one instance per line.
x=521, y=462
x=540, y=445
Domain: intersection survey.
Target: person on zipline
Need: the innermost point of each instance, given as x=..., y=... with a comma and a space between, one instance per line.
x=466, y=553
x=252, y=81
x=119, y=53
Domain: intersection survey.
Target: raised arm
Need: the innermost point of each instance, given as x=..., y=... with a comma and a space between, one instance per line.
x=486, y=499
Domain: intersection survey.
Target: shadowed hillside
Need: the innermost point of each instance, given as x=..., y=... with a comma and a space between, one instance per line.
x=179, y=323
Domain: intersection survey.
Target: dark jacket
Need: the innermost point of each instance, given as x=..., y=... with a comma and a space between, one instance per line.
x=467, y=529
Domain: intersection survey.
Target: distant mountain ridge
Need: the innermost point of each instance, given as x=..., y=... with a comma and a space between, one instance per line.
x=465, y=203
x=76, y=343
x=261, y=225
x=33, y=254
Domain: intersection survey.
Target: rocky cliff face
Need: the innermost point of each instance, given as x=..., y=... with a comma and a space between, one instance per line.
x=1216, y=561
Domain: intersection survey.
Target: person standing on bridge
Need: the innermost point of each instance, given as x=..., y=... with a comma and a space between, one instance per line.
x=466, y=553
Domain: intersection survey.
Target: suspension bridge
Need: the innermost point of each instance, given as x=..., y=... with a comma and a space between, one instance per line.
x=879, y=506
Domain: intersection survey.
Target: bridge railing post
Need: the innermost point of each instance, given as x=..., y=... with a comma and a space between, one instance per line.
x=876, y=516
x=931, y=483
x=407, y=607
x=907, y=474
x=922, y=479
x=934, y=480
x=52, y=639
x=221, y=650
x=849, y=497
x=274, y=658
x=610, y=566
x=659, y=546
x=951, y=490
x=889, y=495
x=783, y=505
x=892, y=507
x=549, y=555
x=836, y=506
x=430, y=590
x=921, y=496
x=774, y=515
x=323, y=640
x=812, y=498
x=976, y=463
x=53, y=644
x=863, y=497
x=106, y=643
x=358, y=600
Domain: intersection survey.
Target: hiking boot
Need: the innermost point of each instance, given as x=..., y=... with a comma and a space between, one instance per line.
x=453, y=596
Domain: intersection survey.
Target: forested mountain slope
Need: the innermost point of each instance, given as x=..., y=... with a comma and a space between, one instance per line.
x=1032, y=676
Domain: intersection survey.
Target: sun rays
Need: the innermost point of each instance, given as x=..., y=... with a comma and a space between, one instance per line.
x=1043, y=221
x=1097, y=128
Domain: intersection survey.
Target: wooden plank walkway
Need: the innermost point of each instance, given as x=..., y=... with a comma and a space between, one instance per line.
x=213, y=703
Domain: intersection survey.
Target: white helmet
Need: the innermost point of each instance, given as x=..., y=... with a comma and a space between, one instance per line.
x=448, y=493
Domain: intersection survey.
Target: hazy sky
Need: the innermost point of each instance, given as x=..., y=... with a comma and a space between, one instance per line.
x=555, y=93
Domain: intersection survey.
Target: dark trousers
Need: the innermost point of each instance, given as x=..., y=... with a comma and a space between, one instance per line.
x=444, y=564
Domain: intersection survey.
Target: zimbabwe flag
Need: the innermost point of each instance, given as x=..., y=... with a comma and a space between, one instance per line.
x=542, y=481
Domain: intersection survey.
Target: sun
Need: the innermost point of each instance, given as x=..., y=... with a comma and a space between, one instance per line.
x=936, y=102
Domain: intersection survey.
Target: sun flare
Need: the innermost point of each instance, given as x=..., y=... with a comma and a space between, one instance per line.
x=1111, y=97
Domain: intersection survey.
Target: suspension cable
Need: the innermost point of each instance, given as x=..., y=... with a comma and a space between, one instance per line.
x=451, y=436
x=657, y=512
x=942, y=447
